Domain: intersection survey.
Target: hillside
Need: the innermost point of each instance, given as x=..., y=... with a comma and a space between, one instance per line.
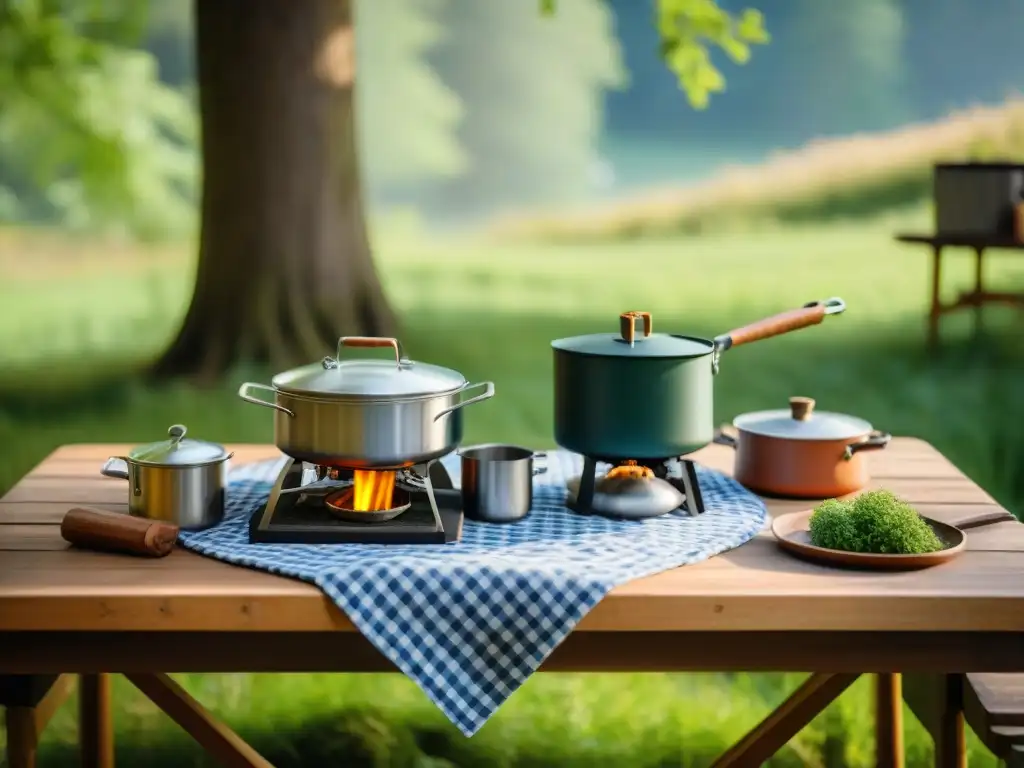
x=851, y=177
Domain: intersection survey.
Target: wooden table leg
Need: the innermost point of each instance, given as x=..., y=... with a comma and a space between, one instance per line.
x=937, y=701
x=772, y=733
x=95, y=724
x=979, y=256
x=22, y=737
x=935, y=312
x=220, y=742
x=888, y=721
x=25, y=720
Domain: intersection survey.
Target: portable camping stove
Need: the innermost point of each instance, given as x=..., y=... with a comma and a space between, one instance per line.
x=312, y=504
x=636, y=489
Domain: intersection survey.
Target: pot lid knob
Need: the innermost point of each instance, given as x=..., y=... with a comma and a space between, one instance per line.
x=801, y=407
x=627, y=325
x=176, y=432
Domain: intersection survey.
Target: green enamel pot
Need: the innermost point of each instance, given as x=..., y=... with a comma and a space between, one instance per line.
x=642, y=395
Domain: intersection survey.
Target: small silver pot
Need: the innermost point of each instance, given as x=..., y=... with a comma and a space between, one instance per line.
x=175, y=481
x=497, y=482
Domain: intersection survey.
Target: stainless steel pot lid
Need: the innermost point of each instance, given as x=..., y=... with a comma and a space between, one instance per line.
x=333, y=378
x=633, y=342
x=802, y=422
x=177, y=451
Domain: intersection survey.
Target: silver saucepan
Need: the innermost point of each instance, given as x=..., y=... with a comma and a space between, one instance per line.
x=373, y=414
x=178, y=480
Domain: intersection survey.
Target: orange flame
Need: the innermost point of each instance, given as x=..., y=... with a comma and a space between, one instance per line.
x=632, y=470
x=373, y=491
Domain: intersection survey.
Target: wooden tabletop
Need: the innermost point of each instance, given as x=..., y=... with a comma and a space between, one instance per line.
x=46, y=586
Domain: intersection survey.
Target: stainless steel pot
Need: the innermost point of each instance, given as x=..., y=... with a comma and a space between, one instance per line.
x=497, y=482
x=650, y=396
x=373, y=414
x=178, y=480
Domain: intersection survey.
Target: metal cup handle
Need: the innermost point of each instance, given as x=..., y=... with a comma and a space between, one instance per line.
x=542, y=467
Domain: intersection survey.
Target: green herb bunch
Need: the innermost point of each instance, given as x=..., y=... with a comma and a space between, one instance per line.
x=877, y=521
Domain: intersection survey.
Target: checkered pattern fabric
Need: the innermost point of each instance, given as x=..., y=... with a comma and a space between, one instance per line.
x=470, y=621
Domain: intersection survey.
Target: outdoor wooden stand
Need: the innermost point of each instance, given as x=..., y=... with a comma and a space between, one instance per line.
x=976, y=298
x=754, y=609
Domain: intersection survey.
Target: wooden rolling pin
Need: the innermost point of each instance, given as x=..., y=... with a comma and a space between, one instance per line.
x=116, y=532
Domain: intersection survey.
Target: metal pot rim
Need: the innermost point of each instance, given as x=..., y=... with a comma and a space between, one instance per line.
x=355, y=397
x=638, y=351
x=165, y=465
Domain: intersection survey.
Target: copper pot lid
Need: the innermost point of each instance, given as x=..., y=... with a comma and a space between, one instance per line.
x=802, y=422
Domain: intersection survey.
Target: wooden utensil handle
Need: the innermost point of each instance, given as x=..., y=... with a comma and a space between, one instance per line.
x=116, y=532
x=775, y=325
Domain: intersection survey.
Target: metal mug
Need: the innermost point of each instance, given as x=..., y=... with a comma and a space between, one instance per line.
x=497, y=482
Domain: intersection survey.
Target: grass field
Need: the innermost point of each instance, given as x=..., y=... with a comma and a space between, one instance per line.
x=77, y=317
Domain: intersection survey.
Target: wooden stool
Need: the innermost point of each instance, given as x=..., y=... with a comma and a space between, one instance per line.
x=992, y=704
x=994, y=708
x=30, y=701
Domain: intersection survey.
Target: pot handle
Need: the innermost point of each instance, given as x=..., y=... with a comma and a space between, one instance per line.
x=811, y=313
x=116, y=467
x=368, y=341
x=243, y=392
x=485, y=395
x=875, y=442
x=724, y=438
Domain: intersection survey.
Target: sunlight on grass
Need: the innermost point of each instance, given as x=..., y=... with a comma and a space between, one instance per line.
x=708, y=283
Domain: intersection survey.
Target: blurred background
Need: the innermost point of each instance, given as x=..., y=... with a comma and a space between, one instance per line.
x=503, y=176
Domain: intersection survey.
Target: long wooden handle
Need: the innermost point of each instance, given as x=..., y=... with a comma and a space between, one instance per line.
x=774, y=325
x=116, y=532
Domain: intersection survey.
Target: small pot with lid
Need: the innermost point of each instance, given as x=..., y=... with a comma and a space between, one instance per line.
x=370, y=414
x=802, y=453
x=178, y=480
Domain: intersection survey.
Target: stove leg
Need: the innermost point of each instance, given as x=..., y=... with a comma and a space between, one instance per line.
x=694, y=503
x=585, y=494
x=429, y=487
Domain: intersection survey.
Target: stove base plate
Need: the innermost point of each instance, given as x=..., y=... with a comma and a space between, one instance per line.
x=290, y=521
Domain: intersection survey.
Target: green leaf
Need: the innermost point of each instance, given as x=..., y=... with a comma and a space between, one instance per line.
x=689, y=29
x=750, y=27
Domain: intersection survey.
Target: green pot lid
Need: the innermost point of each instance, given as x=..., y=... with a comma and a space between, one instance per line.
x=802, y=422
x=178, y=451
x=333, y=378
x=634, y=341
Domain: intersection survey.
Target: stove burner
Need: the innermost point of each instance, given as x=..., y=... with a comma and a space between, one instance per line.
x=312, y=504
x=636, y=489
x=340, y=504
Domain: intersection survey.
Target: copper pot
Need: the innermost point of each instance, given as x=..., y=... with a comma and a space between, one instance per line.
x=800, y=453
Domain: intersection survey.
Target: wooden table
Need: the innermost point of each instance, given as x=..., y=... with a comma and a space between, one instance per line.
x=754, y=609
x=976, y=298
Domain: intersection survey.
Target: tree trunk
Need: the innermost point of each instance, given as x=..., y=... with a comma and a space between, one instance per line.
x=284, y=260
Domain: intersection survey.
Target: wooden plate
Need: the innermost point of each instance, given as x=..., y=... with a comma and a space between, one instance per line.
x=791, y=531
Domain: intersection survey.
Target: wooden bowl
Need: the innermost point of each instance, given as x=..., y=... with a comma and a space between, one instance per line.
x=792, y=532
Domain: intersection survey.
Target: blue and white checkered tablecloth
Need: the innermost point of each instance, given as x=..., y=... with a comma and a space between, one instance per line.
x=470, y=621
